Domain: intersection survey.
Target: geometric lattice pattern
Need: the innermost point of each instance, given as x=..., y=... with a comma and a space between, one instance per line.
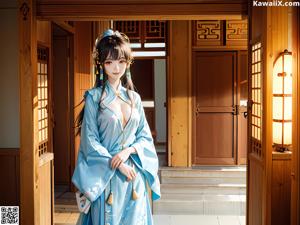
x=236, y=30
x=42, y=85
x=256, y=98
x=143, y=31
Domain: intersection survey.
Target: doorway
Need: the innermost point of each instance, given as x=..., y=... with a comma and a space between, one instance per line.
x=63, y=86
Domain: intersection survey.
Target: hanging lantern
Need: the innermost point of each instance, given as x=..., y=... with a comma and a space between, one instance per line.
x=282, y=101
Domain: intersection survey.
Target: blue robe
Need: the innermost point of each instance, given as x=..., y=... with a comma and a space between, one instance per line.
x=102, y=137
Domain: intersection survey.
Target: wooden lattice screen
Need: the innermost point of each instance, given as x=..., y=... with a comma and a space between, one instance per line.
x=256, y=99
x=42, y=85
x=144, y=32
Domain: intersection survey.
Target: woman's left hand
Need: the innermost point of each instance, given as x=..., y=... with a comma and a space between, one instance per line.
x=121, y=157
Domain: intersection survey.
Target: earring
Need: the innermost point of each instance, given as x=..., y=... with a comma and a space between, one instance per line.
x=128, y=74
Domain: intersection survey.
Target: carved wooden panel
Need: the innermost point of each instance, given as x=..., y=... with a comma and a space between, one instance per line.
x=225, y=33
x=131, y=28
x=142, y=32
x=208, y=32
x=236, y=32
x=155, y=31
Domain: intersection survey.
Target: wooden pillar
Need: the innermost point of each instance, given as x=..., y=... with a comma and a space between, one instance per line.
x=29, y=158
x=179, y=94
x=295, y=198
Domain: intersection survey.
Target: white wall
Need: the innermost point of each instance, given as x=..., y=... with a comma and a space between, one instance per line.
x=160, y=99
x=9, y=75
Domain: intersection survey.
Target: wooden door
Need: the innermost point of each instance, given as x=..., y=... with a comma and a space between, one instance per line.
x=215, y=108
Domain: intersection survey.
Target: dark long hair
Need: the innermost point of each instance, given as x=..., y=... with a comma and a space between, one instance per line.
x=115, y=46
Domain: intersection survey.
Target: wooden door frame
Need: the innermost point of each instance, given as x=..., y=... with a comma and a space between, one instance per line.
x=30, y=11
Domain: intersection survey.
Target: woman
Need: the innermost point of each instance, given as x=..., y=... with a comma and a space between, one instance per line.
x=116, y=158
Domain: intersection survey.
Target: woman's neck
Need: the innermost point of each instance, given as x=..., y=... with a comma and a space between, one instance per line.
x=114, y=83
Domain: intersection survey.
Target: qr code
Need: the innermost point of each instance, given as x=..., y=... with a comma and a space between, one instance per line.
x=9, y=215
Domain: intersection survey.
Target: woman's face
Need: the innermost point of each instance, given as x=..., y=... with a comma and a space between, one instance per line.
x=115, y=68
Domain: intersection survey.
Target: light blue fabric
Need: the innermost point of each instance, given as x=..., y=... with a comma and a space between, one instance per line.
x=101, y=136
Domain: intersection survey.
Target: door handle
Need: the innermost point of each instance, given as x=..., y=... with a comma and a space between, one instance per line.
x=236, y=110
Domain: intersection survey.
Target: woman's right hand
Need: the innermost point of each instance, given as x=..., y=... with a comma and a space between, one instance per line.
x=127, y=171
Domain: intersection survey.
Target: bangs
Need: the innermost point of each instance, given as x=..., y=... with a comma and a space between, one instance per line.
x=115, y=50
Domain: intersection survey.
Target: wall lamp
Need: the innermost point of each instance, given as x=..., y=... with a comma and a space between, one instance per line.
x=282, y=102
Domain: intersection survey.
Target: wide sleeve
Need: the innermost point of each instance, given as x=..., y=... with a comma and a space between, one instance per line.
x=92, y=172
x=146, y=156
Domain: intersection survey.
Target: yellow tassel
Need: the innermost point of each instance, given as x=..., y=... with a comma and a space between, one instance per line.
x=110, y=199
x=135, y=196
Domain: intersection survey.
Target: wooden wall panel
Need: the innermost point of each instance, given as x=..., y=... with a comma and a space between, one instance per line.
x=10, y=174
x=255, y=192
x=83, y=77
x=281, y=188
x=295, y=199
x=47, y=189
x=179, y=94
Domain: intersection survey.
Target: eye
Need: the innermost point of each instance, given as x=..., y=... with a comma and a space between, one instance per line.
x=108, y=62
x=122, y=61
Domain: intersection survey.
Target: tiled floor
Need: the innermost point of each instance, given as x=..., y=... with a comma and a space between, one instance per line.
x=71, y=218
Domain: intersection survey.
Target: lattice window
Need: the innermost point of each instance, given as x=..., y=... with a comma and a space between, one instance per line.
x=42, y=75
x=155, y=31
x=256, y=97
x=131, y=28
x=147, y=37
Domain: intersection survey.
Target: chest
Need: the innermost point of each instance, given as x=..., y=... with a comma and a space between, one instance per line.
x=122, y=109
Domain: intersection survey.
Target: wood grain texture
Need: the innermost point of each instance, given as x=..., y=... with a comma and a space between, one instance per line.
x=83, y=78
x=214, y=79
x=281, y=190
x=44, y=33
x=295, y=171
x=165, y=9
x=29, y=158
x=255, y=191
x=46, y=192
x=179, y=88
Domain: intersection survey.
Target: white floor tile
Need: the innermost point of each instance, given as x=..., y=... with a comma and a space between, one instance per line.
x=185, y=219
x=162, y=219
x=228, y=220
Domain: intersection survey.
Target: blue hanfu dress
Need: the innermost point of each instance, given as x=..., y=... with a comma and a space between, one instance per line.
x=102, y=136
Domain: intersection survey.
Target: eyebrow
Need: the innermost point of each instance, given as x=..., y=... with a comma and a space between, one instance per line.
x=115, y=59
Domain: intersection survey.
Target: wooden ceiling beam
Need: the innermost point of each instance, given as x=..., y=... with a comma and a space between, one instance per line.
x=141, y=10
